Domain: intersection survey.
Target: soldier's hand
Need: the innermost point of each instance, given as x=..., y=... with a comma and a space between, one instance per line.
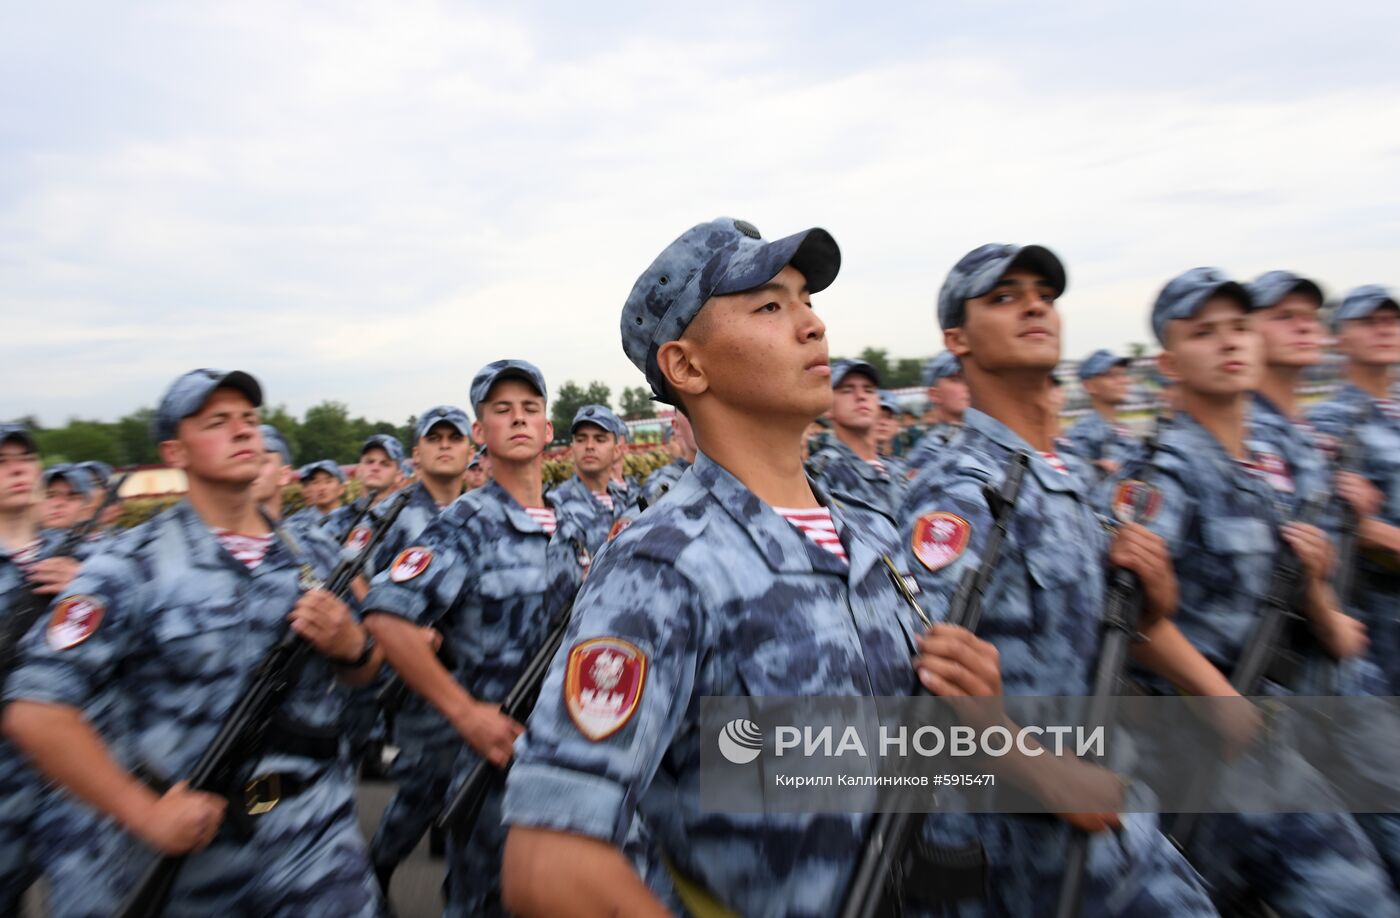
x=954, y=662
x=432, y=637
x=1077, y=783
x=1140, y=550
x=1093, y=822
x=51, y=576
x=182, y=820
x=1343, y=636
x=491, y=733
x=1108, y=466
x=1364, y=497
x=326, y=624
x=1312, y=547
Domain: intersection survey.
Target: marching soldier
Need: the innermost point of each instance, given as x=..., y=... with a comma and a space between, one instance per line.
x=887, y=436
x=380, y=472
x=488, y=573
x=173, y=616
x=68, y=493
x=1100, y=438
x=849, y=466
x=745, y=579
x=1218, y=512
x=948, y=399
x=427, y=744
x=478, y=472
x=275, y=474
x=322, y=485
x=1367, y=326
x=595, y=442
x=1043, y=604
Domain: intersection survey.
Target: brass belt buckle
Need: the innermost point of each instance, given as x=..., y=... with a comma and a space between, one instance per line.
x=262, y=794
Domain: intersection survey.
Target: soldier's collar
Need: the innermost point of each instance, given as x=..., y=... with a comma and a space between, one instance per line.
x=1008, y=439
x=782, y=546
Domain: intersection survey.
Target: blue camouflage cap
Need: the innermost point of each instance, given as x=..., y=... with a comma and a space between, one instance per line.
x=843, y=368
x=1185, y=294
x=328, y=466
x=80, y=480
x=497, y=370
x=1099, y=363
x=600, y=416
x=442, y=414
x=977, y=272
x=100, y=471
x=21, y=433
x=1361, y=302
x=889, y=402
x=387, y=442
x=188, y=394
x=940, y=366
x=712, y=259
x=1268, y=288
x=477, y=457
x=274, y=442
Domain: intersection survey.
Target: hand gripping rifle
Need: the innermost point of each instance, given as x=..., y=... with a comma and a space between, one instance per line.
x=464, y=808
x=1254, y=661
x=876, y=887
x=242, y=735
x=1119, y=627
x=30, y=606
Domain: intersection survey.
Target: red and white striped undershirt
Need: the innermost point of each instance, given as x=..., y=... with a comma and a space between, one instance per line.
x=1389, y=407
x=26, y=556
x=248, y=549
x=817, y=525
x=545, y=517
x=879, y=466
x=1055, y=462
x=604, y=498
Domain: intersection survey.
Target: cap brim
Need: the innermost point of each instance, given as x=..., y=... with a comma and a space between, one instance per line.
x=860, y=367
x=241, y=382
x=1040, y=260
x=813, y=252
x=22, y=436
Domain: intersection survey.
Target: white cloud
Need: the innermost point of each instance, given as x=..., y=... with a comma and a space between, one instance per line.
x=368, y=202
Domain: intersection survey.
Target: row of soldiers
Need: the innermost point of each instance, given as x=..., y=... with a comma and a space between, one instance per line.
x=735, y=571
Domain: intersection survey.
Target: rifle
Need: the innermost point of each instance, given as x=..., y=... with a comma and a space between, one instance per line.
x=1254, y=662
x=876, y=885
x=1120, y=628
x=31, y=606
x=1344, y=580
x=462, y=810
x=243, y=733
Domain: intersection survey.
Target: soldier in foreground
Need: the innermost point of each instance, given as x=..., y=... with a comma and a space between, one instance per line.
x=173, y=616
x=743, y=579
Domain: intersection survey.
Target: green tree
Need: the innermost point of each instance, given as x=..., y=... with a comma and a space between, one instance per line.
x=878, y=358
x=1137, y=350
x=80, y=441
x=287, y=425
x=133, y=433
x=567, y=401
x=907, y=371
x=637, y=403
x=327, y=433
x=597, y=394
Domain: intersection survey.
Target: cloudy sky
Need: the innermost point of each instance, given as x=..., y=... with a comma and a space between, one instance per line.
x=368, y=201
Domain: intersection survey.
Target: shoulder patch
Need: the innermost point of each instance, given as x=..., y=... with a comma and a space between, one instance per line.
x=1136, y=501
x=410, y=563
x=358, y=538
x=74, y=620
x=940, y=538
x=621, y=523
x=603, y=685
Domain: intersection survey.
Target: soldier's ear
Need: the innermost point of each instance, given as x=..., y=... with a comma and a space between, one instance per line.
x=548, y=432
x=1166, y=363
x=955, y=341
x=173, y=454
x=478, y=434
x=680, y=363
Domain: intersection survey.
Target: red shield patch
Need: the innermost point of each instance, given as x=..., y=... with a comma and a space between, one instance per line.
x=74, y=621
x=1273, y=471
x=410, y=563
x=622, y=523
x=940, y=538
x=358, y=538
x=1126, y=498
x=603, y=684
